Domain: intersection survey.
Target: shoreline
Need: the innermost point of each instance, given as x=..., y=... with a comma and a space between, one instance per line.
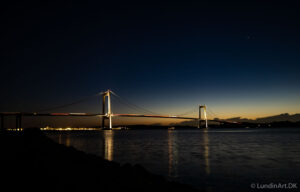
x=35, y=162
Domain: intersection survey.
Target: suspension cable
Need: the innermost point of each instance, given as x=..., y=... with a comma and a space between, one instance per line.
x=69, y=104
x=189, y=112
x=136, y=107
x=210, y=111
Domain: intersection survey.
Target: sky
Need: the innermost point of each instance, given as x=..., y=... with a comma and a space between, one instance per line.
x=241, y=59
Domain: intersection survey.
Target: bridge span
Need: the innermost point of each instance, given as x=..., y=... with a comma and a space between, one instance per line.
x=106, y=114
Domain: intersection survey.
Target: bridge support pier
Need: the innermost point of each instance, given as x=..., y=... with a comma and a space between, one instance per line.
x=103, y=111
x=19, y=121
x=108, y=114
x=204, y=115
x=2, y=123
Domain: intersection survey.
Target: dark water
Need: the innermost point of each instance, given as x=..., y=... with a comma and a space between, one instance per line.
x=214, y=159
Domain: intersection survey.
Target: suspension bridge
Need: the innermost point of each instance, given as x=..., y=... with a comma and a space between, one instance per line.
x=107, y=113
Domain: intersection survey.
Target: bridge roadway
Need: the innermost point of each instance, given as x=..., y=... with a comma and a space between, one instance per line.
x=92, y=114
x=21, y=114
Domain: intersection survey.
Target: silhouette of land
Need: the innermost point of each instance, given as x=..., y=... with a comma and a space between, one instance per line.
x=276, y=118
x=282, y=120
x=189, y=125
x=34, y=162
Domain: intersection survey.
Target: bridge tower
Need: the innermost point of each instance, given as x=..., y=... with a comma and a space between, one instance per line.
x=108, y=114
x=204, y=115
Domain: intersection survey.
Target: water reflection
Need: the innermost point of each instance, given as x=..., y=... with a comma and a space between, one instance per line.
x=108, y=136
x=64, y=139
x=198, y=157
x=173, y=153
x=206, y=152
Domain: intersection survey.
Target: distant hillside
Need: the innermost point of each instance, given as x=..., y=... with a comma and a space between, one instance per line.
x=281, y=117
x=275, y=118
x=269, y=119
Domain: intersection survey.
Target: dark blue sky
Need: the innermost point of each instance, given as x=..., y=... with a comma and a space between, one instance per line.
x=238, y=58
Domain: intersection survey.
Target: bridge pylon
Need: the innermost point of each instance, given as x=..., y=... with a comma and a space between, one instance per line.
x=108, y=113
x=204, y=115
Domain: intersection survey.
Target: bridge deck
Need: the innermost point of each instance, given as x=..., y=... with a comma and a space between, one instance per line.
x=155, y=116
x=93, y=114
x=48, y=114
x=104, y=115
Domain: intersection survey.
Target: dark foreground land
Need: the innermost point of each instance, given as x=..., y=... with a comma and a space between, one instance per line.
x=33, y=162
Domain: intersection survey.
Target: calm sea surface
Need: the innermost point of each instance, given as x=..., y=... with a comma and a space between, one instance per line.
x=214, y=159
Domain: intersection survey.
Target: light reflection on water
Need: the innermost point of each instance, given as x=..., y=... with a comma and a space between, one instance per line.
x=173, y=154
x=206, y=151
x=64, y=139
x=108, y=137
x=213, y=158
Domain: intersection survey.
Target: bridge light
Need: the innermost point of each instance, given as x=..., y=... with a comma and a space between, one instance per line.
x=77, y=113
